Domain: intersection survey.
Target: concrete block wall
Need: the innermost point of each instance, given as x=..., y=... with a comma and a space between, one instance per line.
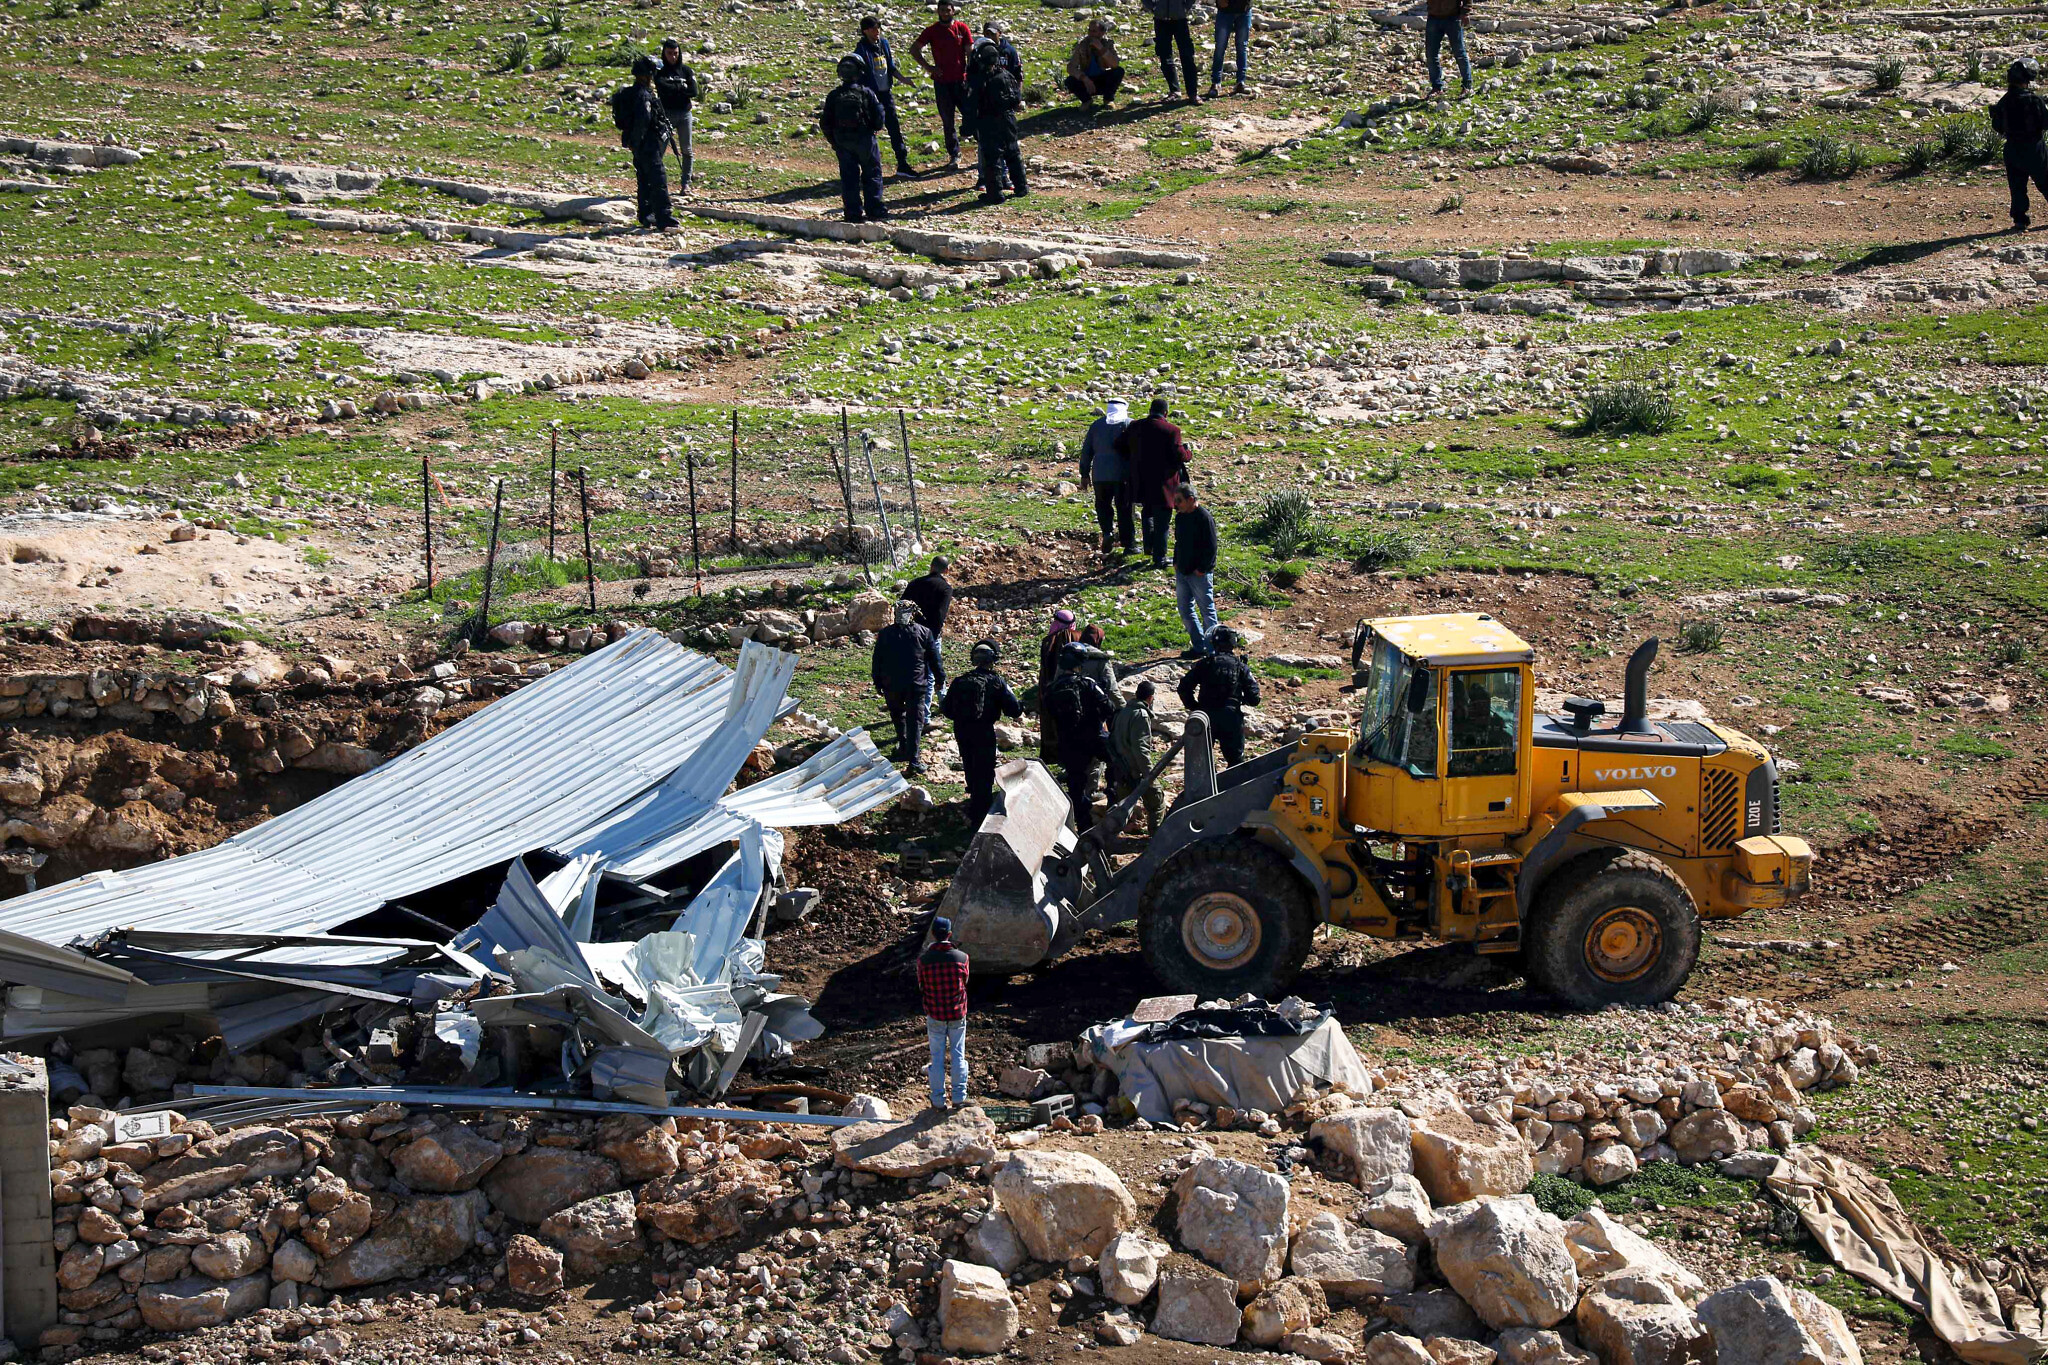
x=28, y=1254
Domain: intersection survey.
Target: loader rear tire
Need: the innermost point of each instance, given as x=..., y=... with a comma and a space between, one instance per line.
x=1612, y=927
x=1225, y=918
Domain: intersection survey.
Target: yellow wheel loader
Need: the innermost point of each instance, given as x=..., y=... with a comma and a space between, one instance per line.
x=1454, y=810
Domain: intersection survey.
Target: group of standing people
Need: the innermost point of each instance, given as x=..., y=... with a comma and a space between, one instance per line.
x=654, y=115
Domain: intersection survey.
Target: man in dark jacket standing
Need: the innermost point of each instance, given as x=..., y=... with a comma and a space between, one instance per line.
x=850, y=119
x=676, y=83
x=1194, y=569
x=934, y=598
x=2021, y=117
x=974, y=703
x=1220, y=686
x=996, y=97
x=1170, y=30
x=906, y=666
x=1155, y=460
x=883, y=78
x=1103, y=465
x=644, y=131
x=1082, y=712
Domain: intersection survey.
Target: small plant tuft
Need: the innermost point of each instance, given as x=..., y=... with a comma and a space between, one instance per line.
x=1699, y=637
x=1889, y=74
x=2009, y=652
x=1628, y=406
x=1973, y=68
x=2034, y=521
x=554, y=52
x=518, y=51
x=1765, y=159
x=1246, y=586
x=1286, y=523
x=1387, y=547
x=151, y=340
x=1919, y=157
x=1831, y=158
x=1286, y=575
x=555, y=21
x=63, y=9
x=1705, y=111
x=1558, y=1197
x=1450, y=203
x=1970, y=139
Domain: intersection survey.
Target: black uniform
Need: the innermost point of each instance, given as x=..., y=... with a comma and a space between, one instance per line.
x=644, y=131
x=906, y=660
x=850, y=119
x=1081, y=710
x=974, y=703
x=1221, y=686
x=934, y=598
x=995, y=96
x=677, y=86
x=2021, y=117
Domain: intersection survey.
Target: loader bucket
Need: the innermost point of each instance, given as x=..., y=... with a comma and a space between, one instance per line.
x=1004, y=913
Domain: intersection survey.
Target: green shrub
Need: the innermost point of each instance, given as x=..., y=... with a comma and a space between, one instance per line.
x=554, y=52
x=2034, y=521
x=624, y=52
x=1831, y=158
x=1381, y=548
x=1765, y=159
x=270, y=9
x=1704, y=111
x=1558, y=1197
x=1889, y=74
x=1039, y=448
x=555, y=22
x=63, y=9
x=1655, y=97
x=1246, y=586
x=1286, y=575
x=151, y=340
x=1699, y=637
x=1628, y=406
x=1285, y=523
x=2009, y=652
x=518, y=50
x=1757, y=478
x=1970, y=139
x=1973, y=70
x=1450, y=203
x=1920, y=157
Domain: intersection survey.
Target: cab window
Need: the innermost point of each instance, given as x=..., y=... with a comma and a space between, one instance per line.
x=1486, y=707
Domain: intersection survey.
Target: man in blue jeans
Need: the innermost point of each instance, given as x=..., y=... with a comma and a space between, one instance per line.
x=1194, y=569
x=1446, y=20
x=942, y=981
x=1233, y=21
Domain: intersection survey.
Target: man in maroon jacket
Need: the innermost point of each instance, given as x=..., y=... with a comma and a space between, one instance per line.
x=942, y=981
x=948, y=39
x=1156, y=463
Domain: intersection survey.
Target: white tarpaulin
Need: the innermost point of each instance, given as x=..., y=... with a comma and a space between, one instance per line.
x=1243, y=1073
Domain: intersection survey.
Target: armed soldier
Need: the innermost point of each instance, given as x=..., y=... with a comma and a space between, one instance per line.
x=906, y=666
x=2021, y=117
x=1080, y=710
x=1220, y=686
x=676, y=83
x=974, y=703
x=850, y=119
x=1130, y=753
x=644, y=131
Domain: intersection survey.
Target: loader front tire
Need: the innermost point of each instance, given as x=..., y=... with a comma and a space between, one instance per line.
x=1225, y=918
x=1612, y=927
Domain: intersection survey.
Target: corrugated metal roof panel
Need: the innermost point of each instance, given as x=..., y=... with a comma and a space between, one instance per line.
x=534, y=768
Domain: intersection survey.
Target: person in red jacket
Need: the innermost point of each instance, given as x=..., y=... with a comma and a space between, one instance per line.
x=1156, y=463
x=942, y=982
x=948, y=40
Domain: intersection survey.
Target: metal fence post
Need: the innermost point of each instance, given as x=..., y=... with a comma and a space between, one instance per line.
x=427, y=516
x=696, y=549
x=910, y=478
x=867, y=453
x=589, y=564
x=852, y=531
x=554, y=447
x=733, y=509
x=483, y=625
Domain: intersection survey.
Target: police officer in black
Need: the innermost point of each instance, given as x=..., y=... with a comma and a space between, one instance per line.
x=905, y=666
x=1221, y=686
x=1081, y=710
x=644, y=131
x=676, y=83
x=2021, y=118
x=974, y=703
x=850, y=119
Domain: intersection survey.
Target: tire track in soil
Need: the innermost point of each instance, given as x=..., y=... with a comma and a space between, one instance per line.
x=1872, y=869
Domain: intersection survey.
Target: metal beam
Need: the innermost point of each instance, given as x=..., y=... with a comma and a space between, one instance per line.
x=455, y=1097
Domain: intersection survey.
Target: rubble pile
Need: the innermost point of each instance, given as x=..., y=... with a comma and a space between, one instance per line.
x=193, y=1227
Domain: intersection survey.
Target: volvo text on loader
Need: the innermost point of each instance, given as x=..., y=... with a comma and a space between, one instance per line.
x=1454, y=810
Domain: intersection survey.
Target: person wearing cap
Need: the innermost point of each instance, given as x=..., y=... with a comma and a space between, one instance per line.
x=974, y=703
x=644, y=131
x=942, y=986
x=1082, y=711
x=1094, y=71
x=1097, y=664
x=1056, y=638
x=850, y=119
x=904, y=668
x=1102, y=464
x=994, y=95
x=934, y=598
x=676, y=83
x=1155, y=461
x=2021, y=118
x=1220, y=686
x=1194, y=568
x=883, y=77
x=948, y=40
x=1130, y=753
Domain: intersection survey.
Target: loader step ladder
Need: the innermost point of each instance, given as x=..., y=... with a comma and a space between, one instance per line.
x=1488, y=884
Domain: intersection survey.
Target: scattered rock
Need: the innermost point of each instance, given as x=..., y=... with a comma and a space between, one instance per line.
x=932, y=1141
x=1197, y=1308
x=1130, y=1266
x=1351, y=1263
x=1067, y=1204
x=976, y=1314
x=1631, y=1319
x=1375, y=1142
x=533, y=1268
x=1291, y=1305
x=1768, y=1322
x=1457, y=1159
x=1234, y=1216
x=596, y=1234
x=1509, y=1261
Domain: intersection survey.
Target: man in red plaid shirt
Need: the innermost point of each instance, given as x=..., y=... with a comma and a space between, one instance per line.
x=942, y=981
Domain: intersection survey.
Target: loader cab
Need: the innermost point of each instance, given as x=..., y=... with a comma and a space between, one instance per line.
x=1443, y=739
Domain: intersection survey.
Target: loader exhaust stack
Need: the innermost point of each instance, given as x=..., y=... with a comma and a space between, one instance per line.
x=1635, y=695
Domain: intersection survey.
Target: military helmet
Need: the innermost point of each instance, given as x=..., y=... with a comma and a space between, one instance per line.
x=852, y=68
x=2025, y=71
x=1072, y=654
x=1223, y=637
x=984, y=652
x=644, y=66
